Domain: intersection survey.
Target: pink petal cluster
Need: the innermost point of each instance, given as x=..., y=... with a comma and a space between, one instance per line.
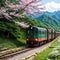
x=30, y=6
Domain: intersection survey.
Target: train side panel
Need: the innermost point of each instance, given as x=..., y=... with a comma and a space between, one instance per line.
x=42, y=35
x=57, y=34
x=49, y=33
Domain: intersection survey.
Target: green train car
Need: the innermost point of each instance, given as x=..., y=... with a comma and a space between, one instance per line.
x=37, y=36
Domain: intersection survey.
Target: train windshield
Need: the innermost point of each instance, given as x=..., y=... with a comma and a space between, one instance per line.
x=32, y=33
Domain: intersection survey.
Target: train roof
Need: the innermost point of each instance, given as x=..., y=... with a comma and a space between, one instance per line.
x=40, y=28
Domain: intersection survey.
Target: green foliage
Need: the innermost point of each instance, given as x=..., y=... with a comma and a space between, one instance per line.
x=32, y=22
x=11, y=43
x=2, y=3
x=49, y=21
x=55, y=54
x=11, y=35
x=14, y=1
x=43, y=55
x=7, y=28
x=46, y=53
x=20, y=11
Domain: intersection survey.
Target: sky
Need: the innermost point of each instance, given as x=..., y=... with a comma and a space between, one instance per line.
x=46, y=1
x=51, y=5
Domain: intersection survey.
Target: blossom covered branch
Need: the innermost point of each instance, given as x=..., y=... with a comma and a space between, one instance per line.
x=18, y=10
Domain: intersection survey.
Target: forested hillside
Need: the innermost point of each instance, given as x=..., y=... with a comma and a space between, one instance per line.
x=51, y=18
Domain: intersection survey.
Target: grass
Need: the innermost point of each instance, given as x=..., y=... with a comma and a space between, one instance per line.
x=43, y=55
x=11, y=43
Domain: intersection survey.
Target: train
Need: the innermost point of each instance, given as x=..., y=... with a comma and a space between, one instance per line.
x=37, y=36
x=57, y=34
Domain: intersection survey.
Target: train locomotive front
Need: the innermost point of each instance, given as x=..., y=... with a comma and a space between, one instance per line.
x=36, y=36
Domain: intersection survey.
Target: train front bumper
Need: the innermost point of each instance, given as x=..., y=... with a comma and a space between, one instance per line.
x=32, y=42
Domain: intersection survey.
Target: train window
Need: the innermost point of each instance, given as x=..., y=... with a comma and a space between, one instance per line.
x=28, y=31
x=35, y=33
x=39, y=33
x=42, y=32
x=30, y=34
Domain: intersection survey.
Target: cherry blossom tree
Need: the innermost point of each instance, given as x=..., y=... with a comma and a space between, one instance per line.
x=10, y=10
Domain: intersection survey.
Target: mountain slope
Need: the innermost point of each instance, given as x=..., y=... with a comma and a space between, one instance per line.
x=51, y=18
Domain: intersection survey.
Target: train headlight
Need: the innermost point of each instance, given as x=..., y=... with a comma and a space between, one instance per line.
x=36, y=39
x=27, y=39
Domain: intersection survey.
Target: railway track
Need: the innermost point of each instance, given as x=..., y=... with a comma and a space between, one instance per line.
x=14, y=53
x=23, y=53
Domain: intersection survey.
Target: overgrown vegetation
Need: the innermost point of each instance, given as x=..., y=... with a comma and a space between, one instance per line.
x=46, y=54
x=11, y=35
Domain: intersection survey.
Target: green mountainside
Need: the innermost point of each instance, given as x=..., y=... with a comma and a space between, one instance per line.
x=51, y=19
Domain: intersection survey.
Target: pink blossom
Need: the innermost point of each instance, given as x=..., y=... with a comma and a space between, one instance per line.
x=29, y=5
